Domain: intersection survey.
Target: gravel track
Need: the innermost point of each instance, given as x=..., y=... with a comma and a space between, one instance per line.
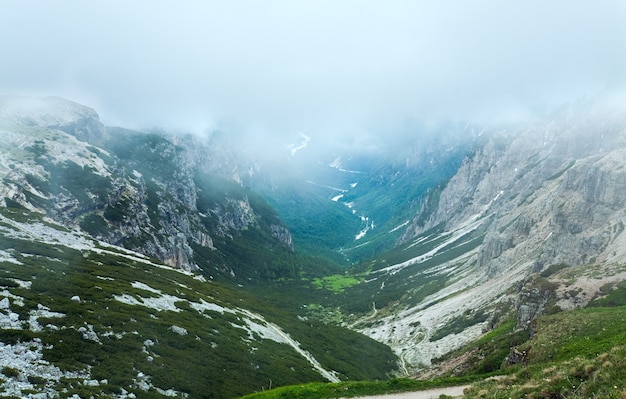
x=426, y=394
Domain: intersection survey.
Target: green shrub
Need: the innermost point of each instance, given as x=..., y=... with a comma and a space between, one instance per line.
x=10, y=372
x=459, y=324
x=553, y=269
x=610, y=295
x=36, y=380
x=94, y=224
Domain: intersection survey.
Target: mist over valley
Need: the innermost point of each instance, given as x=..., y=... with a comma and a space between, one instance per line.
x=313, y=200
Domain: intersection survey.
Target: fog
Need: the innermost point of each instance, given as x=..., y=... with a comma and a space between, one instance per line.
x=346, y=68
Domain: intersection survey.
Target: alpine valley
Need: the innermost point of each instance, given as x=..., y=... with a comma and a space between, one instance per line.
x=148, y=264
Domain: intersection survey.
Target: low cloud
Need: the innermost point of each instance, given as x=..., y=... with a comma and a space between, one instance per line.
x=319, y=67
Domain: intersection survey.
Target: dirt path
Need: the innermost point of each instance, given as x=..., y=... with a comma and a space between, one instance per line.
x=426, y=394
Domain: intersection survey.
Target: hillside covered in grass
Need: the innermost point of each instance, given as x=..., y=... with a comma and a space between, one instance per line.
x=572, y=354
x=79, y=316
x=149, y=264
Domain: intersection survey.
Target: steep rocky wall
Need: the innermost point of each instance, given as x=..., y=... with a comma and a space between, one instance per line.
x=548, y=194
x=556, y=192
x=127, y=188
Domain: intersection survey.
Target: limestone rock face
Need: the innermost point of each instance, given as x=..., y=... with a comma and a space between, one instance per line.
x=282, y=234
x=555, y=192
x=137, y=190
x=531, y=302
x=54, y=113
x=547, y=194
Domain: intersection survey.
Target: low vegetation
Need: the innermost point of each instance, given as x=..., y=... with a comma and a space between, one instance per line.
x=611, y=295
x=459, y=324
x=602, y=376
x=355, y=388
x=573, y=354
x=84, y=328
x=111, y=323
x=336, y=283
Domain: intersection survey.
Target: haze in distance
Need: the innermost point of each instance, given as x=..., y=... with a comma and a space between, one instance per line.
x=344, y=69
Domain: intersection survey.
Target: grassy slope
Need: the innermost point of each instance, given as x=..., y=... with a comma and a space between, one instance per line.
x=575, y=354
x=215, y=359
x=356, y=388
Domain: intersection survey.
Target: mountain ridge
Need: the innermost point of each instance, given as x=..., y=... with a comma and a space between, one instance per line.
x=498, y=228
x=130, y=173
x=520, y=203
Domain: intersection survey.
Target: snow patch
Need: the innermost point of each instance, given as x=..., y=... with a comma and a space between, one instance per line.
x=342, y=190
x=305, y=142
x=398, y=227
x=369, y=225
x=454, y=236
x=337, y=164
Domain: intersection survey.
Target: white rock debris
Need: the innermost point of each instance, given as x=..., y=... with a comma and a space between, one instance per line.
x=10, y=320
x=89, y=333
x=204, y=305
x=163, y=303
x=26, y=359
x=41, y=311
x=145, y=287
x=179, y=330
x=254, y=324
x=22, y=283
x=142, y=381
x=6, y=257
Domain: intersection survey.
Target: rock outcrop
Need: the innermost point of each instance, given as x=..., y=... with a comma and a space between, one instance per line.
x=555, y=192
x=137, y=190
x=525, y=199
x=54, y=113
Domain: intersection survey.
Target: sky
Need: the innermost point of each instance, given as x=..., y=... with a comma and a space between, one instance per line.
x=325, y=66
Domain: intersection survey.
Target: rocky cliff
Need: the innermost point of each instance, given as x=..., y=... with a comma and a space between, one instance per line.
x=532, y=220
x=554, y=192
x=484, y=244
x=57, y=113
x=133, y=189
